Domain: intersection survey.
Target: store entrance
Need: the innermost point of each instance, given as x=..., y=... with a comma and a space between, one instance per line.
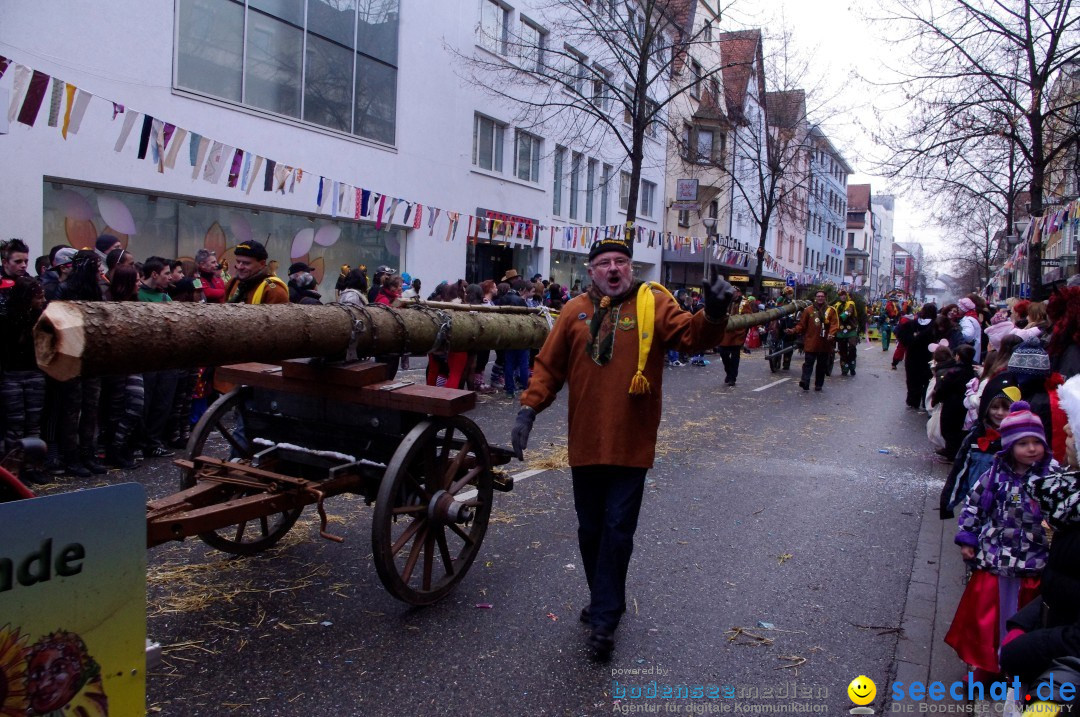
x=488, y=261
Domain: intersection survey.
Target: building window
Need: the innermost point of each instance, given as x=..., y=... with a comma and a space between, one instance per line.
x=851, y=240
x=708, y=31
x=575, y=183
x=624, y=191
x=333, y=65
x=684, y=217
x=488, y=143
x=628, y=116
x=590, y=190
x=533, y=40
x=651, y=110
x=557, y=180
x=605, y=179
x=704, y=146
x=601, y=84
x=526, y=156
x=695, y=73
x=648, y=194
x=576, y=76
x=494, y=26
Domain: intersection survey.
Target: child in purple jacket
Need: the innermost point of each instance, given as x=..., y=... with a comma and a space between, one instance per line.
x=1001, y=532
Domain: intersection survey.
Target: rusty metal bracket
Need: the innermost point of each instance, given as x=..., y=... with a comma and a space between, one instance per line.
x=322, y=516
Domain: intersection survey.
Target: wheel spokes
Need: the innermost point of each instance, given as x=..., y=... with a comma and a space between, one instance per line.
x=414, y=554
x=228, y=436
x=407, y=534
x=466, y=479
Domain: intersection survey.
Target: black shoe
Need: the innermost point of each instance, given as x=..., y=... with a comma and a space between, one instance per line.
x=77, y=470
x=817, y=388
x=95, y=466
x=602, y=642
x=852, y=370
x=585, y=615
x=33, y=476
x=159, y=452
x=804, y=386
x=728, y=382
x=54, y=467
x=119, y=459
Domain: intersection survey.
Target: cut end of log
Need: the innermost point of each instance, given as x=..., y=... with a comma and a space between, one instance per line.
x=59, y=341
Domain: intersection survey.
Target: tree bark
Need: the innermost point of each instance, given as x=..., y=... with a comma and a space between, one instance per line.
x=119, y=338
x=745, y=321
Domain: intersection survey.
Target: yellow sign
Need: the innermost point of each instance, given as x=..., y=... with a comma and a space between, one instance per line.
x=739, y=279
x=772, y=283
x=73, y=603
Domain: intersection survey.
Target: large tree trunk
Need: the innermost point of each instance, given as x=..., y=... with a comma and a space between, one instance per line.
x=100, y=338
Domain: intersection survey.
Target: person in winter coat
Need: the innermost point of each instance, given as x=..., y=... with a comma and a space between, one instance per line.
x=818, y=326
x=980, y=445
x=970, y=326
x=949, y=393
x=731, y=344
x=1001, y=533
x=847, y=338
x=1048, y=628
x=916, y=337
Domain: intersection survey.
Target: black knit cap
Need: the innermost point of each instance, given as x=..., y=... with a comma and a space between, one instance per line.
x=605, y=244
x=251, y=248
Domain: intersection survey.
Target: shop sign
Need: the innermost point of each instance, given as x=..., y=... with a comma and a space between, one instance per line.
x=739, y=279
x=510, y=224
x=686, y=191
x=772, y=283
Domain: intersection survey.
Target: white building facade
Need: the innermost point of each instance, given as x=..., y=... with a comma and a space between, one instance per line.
x=827, y=216
x=884, y=210
x=337, y=132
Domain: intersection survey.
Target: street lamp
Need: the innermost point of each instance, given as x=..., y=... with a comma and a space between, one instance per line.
x=710, y=224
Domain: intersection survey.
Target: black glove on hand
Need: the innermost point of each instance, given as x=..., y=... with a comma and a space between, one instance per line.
x=519, y=437
x=718, y=294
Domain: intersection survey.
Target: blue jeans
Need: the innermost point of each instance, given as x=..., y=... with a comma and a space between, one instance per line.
x=607, y=500
x=517, y=368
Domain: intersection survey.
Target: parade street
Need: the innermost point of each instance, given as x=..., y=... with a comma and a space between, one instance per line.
x=774, y=551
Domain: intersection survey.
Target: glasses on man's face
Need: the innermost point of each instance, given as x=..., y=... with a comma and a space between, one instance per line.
x=617, y=263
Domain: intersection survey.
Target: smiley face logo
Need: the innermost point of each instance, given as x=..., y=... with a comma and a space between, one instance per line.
x=862, y=690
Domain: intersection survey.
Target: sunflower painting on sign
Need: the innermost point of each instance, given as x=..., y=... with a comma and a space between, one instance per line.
x=85, y=549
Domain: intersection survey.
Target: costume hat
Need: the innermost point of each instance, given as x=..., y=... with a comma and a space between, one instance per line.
x=604, y=244
x=512, y=274
x=253, y=249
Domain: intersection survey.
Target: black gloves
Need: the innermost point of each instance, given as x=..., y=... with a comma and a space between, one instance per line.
x=717, y=293
x=519, y=437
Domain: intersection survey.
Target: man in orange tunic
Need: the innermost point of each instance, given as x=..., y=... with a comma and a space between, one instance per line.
x=609, y=346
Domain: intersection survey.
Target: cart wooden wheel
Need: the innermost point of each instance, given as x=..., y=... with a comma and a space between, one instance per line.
x=432, y=509
x=218, y=435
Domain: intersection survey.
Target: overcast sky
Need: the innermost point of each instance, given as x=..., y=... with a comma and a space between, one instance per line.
x=844, y=46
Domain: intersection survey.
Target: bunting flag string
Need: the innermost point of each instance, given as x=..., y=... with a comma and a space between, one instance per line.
x=213, y=159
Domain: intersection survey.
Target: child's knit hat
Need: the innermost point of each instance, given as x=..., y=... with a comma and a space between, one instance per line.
x=1020, y=422
x=1030, y=358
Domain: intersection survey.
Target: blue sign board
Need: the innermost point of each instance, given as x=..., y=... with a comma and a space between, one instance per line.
x=790, y=281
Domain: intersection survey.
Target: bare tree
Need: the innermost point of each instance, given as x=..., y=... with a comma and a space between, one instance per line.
x=979, y=245
x=604, y=71
x=771, y=147
x=977, y=74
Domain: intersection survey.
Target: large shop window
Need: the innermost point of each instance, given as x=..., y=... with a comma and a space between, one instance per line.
x=333, y=65
x=176, y=227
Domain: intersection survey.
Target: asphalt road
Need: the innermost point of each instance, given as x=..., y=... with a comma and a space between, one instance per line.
x=772, y=510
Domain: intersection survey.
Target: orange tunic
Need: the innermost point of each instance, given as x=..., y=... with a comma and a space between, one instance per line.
x=607, y=425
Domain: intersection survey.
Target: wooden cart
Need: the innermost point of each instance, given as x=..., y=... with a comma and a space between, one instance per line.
x=296, y=433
